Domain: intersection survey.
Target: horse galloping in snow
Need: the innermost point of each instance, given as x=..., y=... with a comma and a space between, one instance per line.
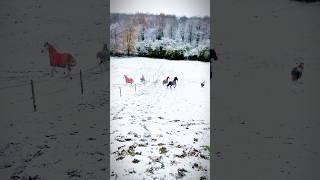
x=57, y=59
x=213, y=55
x=165, y=81
x=296, y=72
x=103, y=56
x=173, y=83
x=142, y=79
x=128, y=80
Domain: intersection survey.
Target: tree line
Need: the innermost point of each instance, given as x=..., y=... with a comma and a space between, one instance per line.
x=160, y=36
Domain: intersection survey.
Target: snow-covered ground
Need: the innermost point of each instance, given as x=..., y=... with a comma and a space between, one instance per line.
x=67, y=137
x=158, y=132
x=265, y=126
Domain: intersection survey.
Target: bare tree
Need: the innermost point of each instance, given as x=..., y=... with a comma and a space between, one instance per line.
x=128, y=38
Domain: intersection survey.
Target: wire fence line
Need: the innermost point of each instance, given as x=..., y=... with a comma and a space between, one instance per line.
x=42, y=94
x=46, y=80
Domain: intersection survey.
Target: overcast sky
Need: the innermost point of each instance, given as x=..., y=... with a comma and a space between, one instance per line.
x=177, y=7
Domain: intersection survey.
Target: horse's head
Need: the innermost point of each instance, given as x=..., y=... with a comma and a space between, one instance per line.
x=45, y=47
x=175, y=79
x=301, y=65
x=105, y=47
x=213, y=54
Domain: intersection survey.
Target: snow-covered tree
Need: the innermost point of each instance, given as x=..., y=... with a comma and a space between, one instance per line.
x=163, y=36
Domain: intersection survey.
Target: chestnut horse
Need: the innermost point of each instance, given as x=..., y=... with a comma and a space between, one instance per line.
x=57, y=59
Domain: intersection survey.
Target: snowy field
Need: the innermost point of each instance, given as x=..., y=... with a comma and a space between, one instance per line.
x=264, y=125
x=158, y=132
x=67, y=137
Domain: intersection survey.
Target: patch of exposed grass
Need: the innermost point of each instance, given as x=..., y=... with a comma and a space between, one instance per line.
x=203, y=178
x=206, y=147
x=183, y=155
x=163, y=150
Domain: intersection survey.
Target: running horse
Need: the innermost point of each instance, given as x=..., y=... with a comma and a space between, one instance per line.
x=213, y=55
x=128, y=80
x=103, y=56
x=57, y=59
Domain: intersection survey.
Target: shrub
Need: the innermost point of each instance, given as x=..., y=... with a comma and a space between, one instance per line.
x=171, y=49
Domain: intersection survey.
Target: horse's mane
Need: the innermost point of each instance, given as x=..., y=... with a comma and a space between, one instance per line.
x=51, y=49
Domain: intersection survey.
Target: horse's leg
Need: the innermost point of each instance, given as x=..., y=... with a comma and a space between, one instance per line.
x=104, y=63
x=100, y=64
x=52, y=69
x=68, y=70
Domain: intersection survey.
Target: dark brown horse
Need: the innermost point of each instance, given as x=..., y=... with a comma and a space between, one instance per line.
x=103, y=56
x=173, y=82
x=57, y=59
x=213, y=55
x=296, y=72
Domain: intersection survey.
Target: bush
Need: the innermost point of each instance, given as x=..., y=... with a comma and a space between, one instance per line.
x=171, y=49
x=176, y=54
x=204, y=55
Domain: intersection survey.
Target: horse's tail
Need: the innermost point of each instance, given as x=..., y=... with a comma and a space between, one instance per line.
x=72, y=61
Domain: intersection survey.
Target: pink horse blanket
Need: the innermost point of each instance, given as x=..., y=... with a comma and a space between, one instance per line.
x=128, y=80
x=60, y=59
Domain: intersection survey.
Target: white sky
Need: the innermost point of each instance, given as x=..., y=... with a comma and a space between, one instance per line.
x=177, y=7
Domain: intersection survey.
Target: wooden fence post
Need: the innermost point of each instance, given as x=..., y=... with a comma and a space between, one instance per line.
x=33, y=97
x=81, y=82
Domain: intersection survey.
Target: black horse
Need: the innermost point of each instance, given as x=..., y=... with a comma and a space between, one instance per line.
x=203, y=83
x=213, y=55
x=173, y=82
x=103, y=55
x=296, y=72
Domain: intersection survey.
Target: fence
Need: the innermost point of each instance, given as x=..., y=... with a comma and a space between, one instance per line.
x=34, y=86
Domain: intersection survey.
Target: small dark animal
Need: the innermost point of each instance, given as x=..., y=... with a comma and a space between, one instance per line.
x=173, y=83
x=202, y=84
x=296, y=72
x=213, y=55
x=165, y=81
x=103, y=56
x=142, y=79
